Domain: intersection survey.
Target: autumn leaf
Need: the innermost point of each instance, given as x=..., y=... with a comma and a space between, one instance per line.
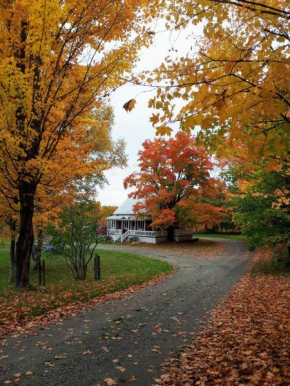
x=62, y=356
x=110, y=381
x=122, y=369
x=129, y=106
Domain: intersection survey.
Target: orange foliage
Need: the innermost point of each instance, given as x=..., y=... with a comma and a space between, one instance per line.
x=174, y=183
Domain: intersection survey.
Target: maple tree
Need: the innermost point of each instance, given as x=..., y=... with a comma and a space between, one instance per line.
x=174, y=183
x=58, y=60
x=234, y=81
x=77, y=171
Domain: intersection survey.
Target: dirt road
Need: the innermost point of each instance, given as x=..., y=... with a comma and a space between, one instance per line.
x=126, y=340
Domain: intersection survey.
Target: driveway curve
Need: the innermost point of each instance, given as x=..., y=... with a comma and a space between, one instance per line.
x=126, y=340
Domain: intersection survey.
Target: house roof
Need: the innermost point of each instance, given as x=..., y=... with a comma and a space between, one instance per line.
x=126, y=208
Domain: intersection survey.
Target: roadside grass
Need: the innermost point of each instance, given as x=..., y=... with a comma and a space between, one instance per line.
x=219, y=236
x=269, y=263
x=119, y=270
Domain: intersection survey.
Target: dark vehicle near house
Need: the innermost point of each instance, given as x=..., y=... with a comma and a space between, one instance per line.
x=101, y=231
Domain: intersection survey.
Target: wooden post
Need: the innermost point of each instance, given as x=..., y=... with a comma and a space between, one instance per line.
x=43, y=273
x=97, y=267
x=39, y=273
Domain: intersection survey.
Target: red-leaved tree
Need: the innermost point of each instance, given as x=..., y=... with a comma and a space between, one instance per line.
x=174, y=184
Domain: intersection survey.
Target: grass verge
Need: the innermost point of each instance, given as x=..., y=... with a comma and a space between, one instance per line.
x=219, y=236
x=119, y=271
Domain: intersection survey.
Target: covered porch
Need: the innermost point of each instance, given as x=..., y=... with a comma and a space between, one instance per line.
x=125, y=223
x=128, y=227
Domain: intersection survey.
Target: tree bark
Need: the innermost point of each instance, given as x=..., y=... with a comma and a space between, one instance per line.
x=12, y=253
x=25, y=240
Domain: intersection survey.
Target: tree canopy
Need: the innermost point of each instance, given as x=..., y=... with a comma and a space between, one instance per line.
x=59, y=60
x=174, y=183
x=234, y=80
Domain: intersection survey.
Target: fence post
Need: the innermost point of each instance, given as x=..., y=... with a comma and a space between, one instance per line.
x=43, y=272
x=39, y=272
x=97, y=267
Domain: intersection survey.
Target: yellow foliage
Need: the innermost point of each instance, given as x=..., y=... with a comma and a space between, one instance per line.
x=240, y=76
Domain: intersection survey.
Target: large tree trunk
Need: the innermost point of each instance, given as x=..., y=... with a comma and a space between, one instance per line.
x=12, y=253
x=25, y=240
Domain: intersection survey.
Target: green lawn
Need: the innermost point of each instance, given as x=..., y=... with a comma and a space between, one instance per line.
x=119, y=270
x=219, y=236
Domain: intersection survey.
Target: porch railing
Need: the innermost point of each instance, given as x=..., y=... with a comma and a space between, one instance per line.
x=117, y=234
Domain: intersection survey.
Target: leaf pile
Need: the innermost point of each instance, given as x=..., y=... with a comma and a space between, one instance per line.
x=247, y=341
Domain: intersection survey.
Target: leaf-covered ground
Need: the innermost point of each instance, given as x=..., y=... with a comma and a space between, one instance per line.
x=207, y=249
x=63, y=295
x=246, y=343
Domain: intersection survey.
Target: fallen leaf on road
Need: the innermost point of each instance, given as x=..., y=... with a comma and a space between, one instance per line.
x=48, y=364
x=88, y=352
x=133, y=378
x=110, y=381
x=122, y=369
x=62, y=356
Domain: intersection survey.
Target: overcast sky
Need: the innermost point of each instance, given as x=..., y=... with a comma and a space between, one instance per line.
x=135, y=127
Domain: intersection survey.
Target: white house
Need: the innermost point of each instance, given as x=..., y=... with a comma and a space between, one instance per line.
x=124, y=225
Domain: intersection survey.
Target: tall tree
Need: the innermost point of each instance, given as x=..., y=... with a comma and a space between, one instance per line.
x=234, y=80
x=58, y=60
x=174, y=183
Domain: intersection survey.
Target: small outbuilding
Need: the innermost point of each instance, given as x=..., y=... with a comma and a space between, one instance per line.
x=124, y=225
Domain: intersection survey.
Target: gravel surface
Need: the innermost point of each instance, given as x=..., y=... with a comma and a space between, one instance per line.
x=127, y=339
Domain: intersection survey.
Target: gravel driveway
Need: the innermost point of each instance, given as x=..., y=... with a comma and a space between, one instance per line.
x=127, y=339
